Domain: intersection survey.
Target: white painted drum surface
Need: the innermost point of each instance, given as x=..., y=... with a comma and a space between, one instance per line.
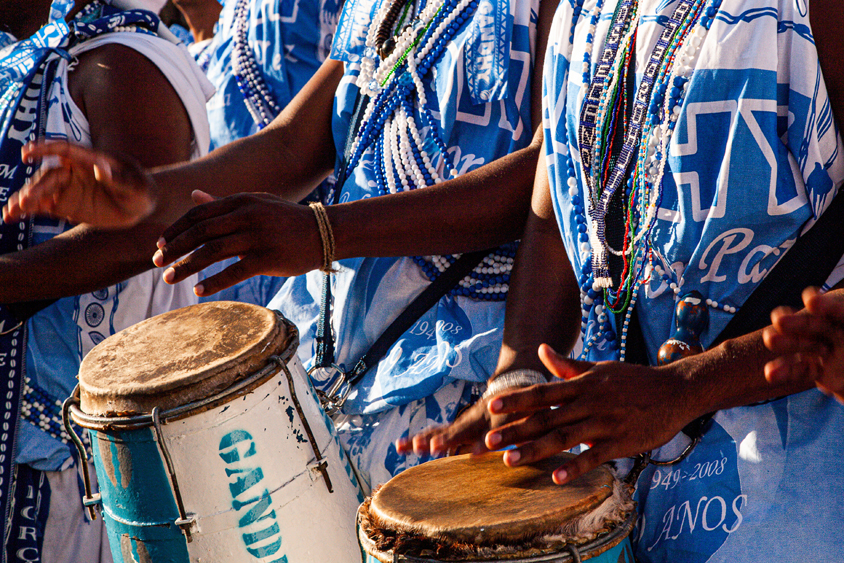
x=245, y=465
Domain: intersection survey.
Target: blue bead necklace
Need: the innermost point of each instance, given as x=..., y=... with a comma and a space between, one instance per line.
x=398, y=113
x=657, y=105
x=257, y=96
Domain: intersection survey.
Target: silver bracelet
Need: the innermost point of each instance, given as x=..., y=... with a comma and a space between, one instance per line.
x=515, y=378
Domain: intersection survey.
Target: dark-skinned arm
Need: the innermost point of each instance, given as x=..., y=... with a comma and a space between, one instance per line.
x=274, y=236
x=201, y=16
x=113, y=85
x=98, y=187
x=280, y=239
x=622, y=409
x=542, y=306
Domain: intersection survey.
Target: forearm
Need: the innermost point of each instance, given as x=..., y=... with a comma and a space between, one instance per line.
x=482, y=209
x=543, y=302
x=201, y=18
x=730, y=375
x=289, y=158
x=89, y=259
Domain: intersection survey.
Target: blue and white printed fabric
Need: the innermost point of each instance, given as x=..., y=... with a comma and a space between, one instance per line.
x=459, y=337
x=289, y=40
x=442, y=362
x=755, y=158
x=61, y=334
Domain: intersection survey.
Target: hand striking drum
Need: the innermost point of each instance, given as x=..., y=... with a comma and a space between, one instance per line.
x=210, y=445
x=467, y=508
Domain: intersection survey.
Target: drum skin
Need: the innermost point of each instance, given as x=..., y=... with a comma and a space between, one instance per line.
x=474, y=508
x=622, y=552
x=246, y=471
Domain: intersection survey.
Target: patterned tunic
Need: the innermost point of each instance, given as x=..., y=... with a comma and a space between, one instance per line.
x=288, y=39
x=755, y=157
x=457, y=341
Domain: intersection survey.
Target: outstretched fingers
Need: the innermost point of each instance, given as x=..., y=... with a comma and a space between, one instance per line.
x=600, y=452
x=88, y=186
x=545, y=443
x=233, y=274
x=201, y=225
x=468, y=430
x=216, y=249
x=38, y=197
x=562, y=366
x=526, y=400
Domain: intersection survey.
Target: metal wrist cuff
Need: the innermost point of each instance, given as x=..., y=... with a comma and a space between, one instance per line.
x=515, y=378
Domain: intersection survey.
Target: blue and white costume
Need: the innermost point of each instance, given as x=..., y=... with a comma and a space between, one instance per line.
x=475, y=108
x=61, y=334
x=262, y=53
x=283, y=42
x=739, y=153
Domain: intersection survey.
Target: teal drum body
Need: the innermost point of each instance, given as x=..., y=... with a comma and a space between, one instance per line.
x=475, y=509
x=141, y=514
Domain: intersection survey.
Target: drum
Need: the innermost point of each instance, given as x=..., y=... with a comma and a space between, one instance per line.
x=474, y=508
x=210, y=445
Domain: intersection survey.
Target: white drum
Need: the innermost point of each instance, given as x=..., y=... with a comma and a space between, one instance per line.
x=210, y=444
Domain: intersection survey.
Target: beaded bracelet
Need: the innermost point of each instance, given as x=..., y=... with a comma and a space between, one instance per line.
x=326, y=235
x=511, y=379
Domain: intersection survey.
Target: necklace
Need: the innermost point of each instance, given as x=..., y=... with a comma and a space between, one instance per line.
x=259, y=100
x=656, y=106
x=400, y=130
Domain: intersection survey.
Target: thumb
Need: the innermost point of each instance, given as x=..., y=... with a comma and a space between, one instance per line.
x=199, y=197
x=561, y=366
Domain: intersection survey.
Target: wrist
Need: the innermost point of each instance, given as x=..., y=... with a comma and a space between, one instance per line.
x=326, y=236
x=514, y=379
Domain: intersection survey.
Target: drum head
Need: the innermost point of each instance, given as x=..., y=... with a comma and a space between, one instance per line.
x=180, y=357
x=478, y=500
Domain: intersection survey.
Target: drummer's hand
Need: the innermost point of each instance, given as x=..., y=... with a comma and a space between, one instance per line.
x=619, y=409
x=467, y=431
x=270, y=235
x=88, y=187
x=810, y=343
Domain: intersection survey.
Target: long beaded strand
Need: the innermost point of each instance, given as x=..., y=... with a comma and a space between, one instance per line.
x=259, y=100
x=644, y=188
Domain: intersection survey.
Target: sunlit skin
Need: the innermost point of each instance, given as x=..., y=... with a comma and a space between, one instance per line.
x=810, y=343
x=279, y=166
x=622, y=409
x=150, y=133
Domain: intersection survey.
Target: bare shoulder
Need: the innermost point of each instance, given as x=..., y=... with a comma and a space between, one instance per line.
x=827, y=19
x=130, y=105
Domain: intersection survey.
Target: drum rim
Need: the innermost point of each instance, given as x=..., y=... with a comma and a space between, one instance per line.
x=273, y=366
x=606, y=541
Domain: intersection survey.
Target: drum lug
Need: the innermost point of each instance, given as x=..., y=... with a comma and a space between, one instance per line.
x=92, y=500
x=89, y=500
x=321, y=464
x=317, y=469
x=185, y=521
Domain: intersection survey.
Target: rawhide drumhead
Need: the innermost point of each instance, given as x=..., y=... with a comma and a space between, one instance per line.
x=179, y=357
x=477, y=499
